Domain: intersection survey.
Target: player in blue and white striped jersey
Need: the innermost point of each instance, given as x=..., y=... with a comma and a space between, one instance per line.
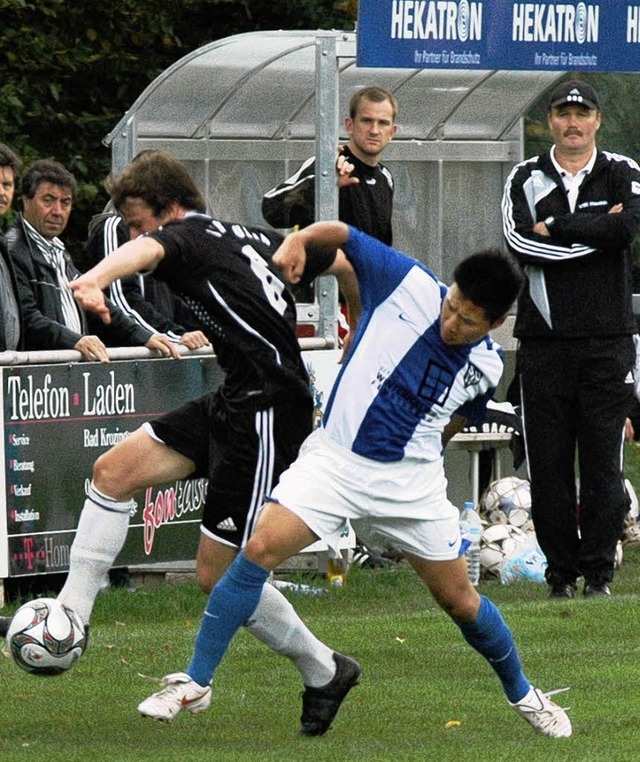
x=388, y=403
x=420, y=363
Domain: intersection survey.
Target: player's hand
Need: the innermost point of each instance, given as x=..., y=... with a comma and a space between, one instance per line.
x=346, y=345
x=616, y=209
x=290, y=258
x=629, y=432
x=92, y=349
x=164, y=345
x=90, y=297
x=194, y=340
x=344, y=170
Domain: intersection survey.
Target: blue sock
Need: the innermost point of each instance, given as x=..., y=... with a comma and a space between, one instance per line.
x=491, y=637
x=230, y=604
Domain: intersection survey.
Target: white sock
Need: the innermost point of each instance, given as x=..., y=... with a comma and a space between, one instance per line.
x=101, y=533
x=276, y=623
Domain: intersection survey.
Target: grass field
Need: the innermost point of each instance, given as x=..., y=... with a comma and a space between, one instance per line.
x=417, y=675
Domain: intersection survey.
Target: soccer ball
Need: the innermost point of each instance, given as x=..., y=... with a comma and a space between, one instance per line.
x=508, y=501
x=46, y=637
x=500, y=541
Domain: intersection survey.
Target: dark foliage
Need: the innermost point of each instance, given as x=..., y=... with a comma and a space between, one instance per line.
x=71, y=70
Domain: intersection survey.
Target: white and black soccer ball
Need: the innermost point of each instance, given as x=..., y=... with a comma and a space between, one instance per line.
x=46, y=637
x=507, y=500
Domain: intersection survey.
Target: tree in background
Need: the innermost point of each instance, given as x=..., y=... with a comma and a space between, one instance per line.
x=70, y=70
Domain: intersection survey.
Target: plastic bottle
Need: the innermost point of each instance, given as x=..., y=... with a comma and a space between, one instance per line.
x=471, y=531
x=337, y=569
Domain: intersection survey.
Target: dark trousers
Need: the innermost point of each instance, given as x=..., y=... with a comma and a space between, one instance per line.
x=576, y=394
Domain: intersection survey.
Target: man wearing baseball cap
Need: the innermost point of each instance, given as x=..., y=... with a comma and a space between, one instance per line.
x=569, y=216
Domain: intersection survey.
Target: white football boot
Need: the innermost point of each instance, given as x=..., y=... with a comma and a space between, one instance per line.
x=543, y=714
x=179, y=692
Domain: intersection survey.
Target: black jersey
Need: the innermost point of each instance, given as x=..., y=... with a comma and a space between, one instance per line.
x=221, y=270
x=366, y=205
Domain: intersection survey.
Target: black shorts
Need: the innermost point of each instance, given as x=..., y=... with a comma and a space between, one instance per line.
x=241, y=452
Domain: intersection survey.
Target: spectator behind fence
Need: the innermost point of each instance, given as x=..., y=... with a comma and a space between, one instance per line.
x=365, y=185
x=11, y=330
x=569, y=216
x=146, y=300
x=44, y=268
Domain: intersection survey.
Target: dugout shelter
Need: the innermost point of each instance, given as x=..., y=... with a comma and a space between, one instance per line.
x=244, y=112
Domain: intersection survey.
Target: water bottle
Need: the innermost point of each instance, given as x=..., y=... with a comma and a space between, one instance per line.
x=337, y=568
x=471, y=531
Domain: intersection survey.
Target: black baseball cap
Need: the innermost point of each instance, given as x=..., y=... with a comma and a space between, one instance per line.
x=575, y=92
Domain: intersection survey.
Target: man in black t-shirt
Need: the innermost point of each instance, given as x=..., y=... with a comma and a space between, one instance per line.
x=242, y=434
x=365, y=185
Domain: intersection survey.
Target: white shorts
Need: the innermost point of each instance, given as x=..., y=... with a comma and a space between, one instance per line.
x=405, y=503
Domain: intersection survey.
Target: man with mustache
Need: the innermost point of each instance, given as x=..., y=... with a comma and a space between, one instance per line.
x=570, y=216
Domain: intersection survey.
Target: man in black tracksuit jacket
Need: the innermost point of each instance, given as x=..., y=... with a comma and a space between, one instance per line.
x=365, y=196
x=569, y=216
x=144, y=299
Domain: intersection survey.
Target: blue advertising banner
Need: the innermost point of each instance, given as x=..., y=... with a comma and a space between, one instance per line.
x=495, y=34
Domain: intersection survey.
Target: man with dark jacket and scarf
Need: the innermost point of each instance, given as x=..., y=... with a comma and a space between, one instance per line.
x=44, y=269
x=569, y=216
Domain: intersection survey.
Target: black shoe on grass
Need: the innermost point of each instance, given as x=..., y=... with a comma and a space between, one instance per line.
x=597, y=590
x=5, y=623
x=320, y=705
x=562, y=590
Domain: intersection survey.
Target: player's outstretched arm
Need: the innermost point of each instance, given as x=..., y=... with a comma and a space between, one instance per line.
x=291, y=256
x=140, y=255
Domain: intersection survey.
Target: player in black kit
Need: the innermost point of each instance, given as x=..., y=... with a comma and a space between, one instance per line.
x=240, y=436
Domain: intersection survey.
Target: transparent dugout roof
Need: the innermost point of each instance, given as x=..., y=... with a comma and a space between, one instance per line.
x=261, y=85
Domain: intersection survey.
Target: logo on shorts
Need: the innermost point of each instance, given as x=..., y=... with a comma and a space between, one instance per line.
x=227, y=525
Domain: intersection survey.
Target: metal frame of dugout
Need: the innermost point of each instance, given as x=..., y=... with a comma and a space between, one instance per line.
x=244, y=112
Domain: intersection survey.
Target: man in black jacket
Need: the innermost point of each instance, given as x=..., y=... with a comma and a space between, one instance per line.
x=569, y=216
x=11, y=330
x=365, y=185
x=44, y=269
x=146, y=300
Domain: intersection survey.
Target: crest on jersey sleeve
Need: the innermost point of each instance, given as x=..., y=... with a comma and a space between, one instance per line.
x=472, y=376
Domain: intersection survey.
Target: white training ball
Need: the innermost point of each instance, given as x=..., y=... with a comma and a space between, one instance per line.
x=490, y=558
x=507, y=494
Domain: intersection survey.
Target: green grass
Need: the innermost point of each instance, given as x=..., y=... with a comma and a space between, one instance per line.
x=417, y=675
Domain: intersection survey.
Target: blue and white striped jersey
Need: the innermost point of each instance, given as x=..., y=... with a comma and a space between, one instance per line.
x=401, y=384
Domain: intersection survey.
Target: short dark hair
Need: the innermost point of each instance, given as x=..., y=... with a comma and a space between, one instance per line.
x=375, y=94
x=9, y=159
x=46, y=171
x=490, y=279
x=159, y=180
